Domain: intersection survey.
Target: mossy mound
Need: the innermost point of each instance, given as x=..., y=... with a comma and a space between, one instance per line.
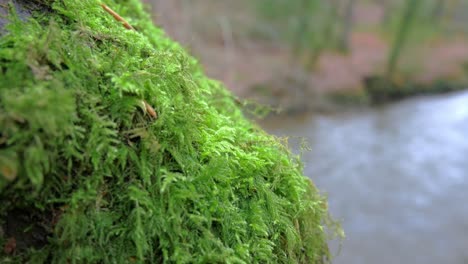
x=115, y=148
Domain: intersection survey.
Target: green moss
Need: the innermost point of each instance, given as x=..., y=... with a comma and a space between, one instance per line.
x=88, y=176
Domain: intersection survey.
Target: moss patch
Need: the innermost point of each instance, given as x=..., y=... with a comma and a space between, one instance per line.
x=89, y=175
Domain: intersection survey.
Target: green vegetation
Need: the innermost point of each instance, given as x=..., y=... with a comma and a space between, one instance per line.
x=89, y=174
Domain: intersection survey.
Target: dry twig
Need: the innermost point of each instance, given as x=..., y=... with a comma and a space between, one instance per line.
x=117, y=17
x=150, y=110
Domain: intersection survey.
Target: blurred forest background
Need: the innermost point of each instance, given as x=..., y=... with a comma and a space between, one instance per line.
x=312, y=54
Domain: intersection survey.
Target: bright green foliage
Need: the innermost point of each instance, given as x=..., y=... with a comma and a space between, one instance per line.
x=107, y=182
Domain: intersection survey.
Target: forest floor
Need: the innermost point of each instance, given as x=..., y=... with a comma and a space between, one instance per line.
x=214, y=31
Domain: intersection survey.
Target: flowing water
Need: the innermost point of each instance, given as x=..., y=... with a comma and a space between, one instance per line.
x=396, y=176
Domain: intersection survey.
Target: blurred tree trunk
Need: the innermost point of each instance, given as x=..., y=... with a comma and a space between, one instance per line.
x=438, y=10
x=305, y=43
x=387, y=11
x=347, y=25
x=403, y=30
x=331, y=32
x=452, y=9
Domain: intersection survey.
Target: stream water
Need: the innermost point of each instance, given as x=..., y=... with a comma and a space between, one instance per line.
x=396, y=177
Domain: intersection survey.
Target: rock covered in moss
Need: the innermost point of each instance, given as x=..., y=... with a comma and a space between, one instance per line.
x=114, y=147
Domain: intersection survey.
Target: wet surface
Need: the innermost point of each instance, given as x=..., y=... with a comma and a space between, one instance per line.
x=396, y=176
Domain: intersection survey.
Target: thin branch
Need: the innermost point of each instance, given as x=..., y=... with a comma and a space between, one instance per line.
x=117, y=17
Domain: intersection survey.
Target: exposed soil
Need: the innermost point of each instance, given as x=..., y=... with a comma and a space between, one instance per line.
x=25, y=229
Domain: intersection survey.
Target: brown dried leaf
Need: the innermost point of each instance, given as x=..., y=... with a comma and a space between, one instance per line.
x=10, y=246
x=8, y=172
